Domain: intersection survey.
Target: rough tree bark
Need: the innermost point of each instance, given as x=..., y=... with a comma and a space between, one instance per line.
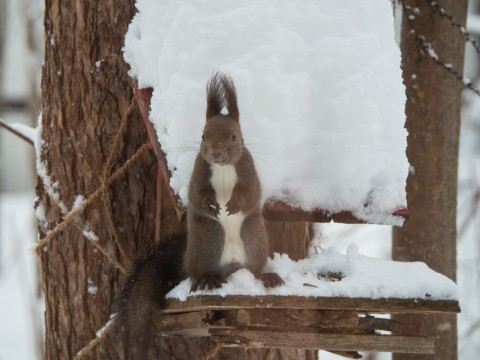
x=83, y=103
x=433, y=121
x=85, y=94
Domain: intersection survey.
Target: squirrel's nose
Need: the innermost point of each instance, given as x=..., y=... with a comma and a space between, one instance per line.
x=216, y=154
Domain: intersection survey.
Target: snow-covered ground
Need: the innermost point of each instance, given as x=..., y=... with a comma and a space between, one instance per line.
x=362, y=277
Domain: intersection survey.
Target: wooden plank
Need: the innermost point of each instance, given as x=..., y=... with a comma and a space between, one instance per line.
x=198, y=323
x=360, y=305
x=307, y=340
x=276, y=211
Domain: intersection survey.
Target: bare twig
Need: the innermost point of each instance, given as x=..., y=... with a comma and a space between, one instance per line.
x=14, y=105
x=5, y=125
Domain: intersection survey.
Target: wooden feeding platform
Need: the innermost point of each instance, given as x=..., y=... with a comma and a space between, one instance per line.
x=337, y=324
x=272, y=211
x=341, y=325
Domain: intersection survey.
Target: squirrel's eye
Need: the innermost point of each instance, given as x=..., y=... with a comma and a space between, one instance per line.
x=203, y=137
x=234, y=137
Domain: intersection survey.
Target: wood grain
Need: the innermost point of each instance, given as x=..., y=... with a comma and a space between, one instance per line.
x=342, y=342
x=361, y=305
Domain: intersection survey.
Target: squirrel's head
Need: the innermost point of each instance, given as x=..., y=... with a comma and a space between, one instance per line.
x=222, y=141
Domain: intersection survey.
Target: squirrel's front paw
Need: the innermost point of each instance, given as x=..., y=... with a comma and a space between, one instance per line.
x=207, y=282
x=270, y=280
x=235, y=204
x=211, y=206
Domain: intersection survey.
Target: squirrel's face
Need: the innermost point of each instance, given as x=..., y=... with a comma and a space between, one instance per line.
x=222, y=141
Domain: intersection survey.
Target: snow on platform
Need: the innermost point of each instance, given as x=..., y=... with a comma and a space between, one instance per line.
x=319, y=86
x=364, y=277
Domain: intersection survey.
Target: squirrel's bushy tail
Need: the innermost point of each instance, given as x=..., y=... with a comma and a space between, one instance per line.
x=221, y=93
x=143, y=294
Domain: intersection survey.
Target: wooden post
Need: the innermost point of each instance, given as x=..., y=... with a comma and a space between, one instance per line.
x=433, y=120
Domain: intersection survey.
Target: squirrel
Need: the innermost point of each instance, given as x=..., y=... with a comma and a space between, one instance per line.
x=226, y=230
x=225, y=227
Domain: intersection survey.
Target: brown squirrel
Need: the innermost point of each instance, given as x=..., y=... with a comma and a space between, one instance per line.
x=225, y=227
x=226, y=230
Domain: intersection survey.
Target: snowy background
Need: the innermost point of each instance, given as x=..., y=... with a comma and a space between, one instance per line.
x=21, y=310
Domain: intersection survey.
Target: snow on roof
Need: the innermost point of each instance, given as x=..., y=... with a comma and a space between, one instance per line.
x=363, y=277
x=319, y=88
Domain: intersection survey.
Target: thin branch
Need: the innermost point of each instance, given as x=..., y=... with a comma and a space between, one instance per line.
x=5, y=125
x=14, y=105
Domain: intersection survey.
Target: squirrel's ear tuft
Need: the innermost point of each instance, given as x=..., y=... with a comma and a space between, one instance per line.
x=221, y=93
x=230, y=96
x=215, y=98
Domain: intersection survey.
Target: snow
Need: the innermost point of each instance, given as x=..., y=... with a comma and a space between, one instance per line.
x=473, y=23
x=78, y=202
x=21, y=312
x=98, y=64
x=100, y=333
x=89, y=234
x=40, y=214
x=431, y=52
x=319, y=88
x=91, y=288
x=468, y=249
x=107, y=325
x=364, y=277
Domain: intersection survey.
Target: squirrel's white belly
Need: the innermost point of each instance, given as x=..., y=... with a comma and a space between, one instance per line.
x=223, y=180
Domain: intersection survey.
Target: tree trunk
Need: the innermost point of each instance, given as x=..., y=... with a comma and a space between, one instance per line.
x=86, y=95
x=433, y=122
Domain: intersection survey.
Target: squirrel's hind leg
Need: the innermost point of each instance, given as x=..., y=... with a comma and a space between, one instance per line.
x=204, y=248
x=255, y=238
